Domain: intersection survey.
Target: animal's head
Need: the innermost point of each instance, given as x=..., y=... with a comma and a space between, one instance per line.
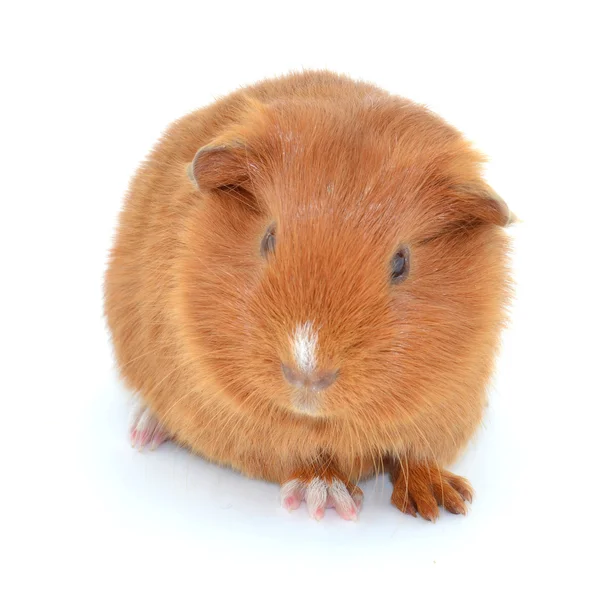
x=343, y=259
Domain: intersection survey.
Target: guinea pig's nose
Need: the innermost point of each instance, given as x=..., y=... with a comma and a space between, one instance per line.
x=316, y=381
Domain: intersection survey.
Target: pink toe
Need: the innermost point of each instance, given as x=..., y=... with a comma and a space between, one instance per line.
x=157, y=439
x=291, y=502
x=349, y=514
x=319, y=513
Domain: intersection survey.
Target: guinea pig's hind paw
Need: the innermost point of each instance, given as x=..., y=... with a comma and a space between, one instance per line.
x=146, y=430
x=320, y=494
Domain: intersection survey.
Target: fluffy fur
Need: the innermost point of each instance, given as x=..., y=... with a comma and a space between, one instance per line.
x=346, y=174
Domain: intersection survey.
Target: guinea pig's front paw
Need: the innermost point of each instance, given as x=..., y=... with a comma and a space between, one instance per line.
x=420, y=488
x=321, y=490
x=146, y=430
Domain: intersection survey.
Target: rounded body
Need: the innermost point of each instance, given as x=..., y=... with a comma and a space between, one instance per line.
x=269, y=355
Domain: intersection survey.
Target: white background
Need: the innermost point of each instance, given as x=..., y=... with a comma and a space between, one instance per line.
x=87, y=89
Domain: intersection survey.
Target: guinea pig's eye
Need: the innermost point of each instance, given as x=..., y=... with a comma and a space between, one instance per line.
x=400, y=265
x=267, y=246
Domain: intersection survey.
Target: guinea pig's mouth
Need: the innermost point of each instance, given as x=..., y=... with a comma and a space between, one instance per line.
x=307, y=401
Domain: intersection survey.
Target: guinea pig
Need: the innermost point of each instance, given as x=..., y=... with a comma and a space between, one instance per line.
x=308, y=284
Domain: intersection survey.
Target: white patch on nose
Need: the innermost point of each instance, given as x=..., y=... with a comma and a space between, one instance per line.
x=304, y=347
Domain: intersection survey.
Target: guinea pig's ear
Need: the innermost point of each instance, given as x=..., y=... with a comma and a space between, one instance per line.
x=228, y=161
x=483, y=204
x=220, y=165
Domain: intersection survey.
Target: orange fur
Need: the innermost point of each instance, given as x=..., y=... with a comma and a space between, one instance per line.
x=347, y=173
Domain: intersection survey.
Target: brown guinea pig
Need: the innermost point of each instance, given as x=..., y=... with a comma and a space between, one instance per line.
x=308, y=284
